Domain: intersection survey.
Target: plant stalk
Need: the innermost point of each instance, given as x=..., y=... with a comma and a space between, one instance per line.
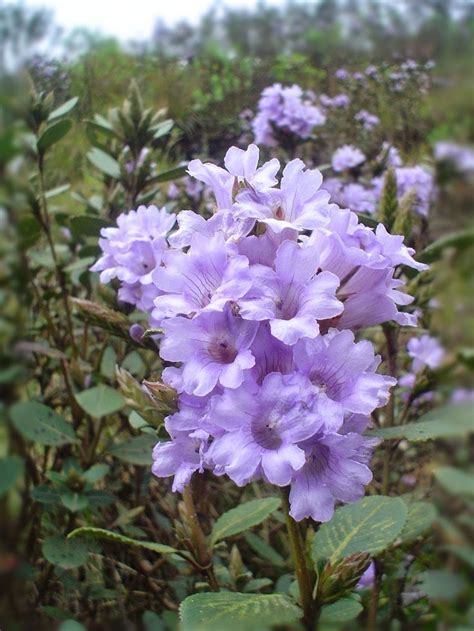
x=301, y=568
x=198, y=538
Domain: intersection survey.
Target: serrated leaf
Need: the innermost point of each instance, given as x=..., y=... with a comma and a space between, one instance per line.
x=53, y=134
x=64, y=109
x=236, y=612
x=369, y=525
x=243, y=517
x=100, y=401
x=420, y=518
x=67, y=553
x=340, y=611
x=104, y=162
x=11, y=469
x=100, y=533
x=41, y=424
x=455, y=481
x=138, y=450
x=446, y=421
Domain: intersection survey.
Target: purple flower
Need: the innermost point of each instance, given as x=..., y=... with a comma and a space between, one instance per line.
x=347, y=157
x=293, y=296
x=299, y=203
x=425, y=351
x=242, y=167
x=133, y=250
x=206, y=277
x=416, y=179
x=335, y=469
x=340, y=100
x=342, y=74
x=358, y=198
x=180, y=457
x=368, y=120
x=461, y=156
x=286, y=109
x=343, y=372
x=367, y=579
x=214, y=348
x=261, y=440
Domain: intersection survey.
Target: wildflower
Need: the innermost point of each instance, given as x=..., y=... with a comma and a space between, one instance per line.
x=347, y=157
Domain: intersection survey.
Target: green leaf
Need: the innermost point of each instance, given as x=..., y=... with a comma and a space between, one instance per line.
x=421, y=516
x=263, y=550
x=455, y=481
x=243, y=517
x=462, y=552
x=87, y=226
x=58, y=190
x=340, y=611
x=441, y=584
x=72, y=625
x=104, y=162
x=39, y=423
x=367, y=220
x=138, y=450
x=74, y=501
x=64, y=109
x=53, y=134
x=45, y=495
x=435, y=250
x=100, y=533
x=236, y=612
x=449, y=420
x=100, y=401
x=11, y=469
x=166, y=176
x=369, y=525
x=67, y=553
x=96, y=473
x=163, y=128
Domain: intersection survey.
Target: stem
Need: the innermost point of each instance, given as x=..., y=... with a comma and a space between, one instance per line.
x=299, y=559
x=45, y=224
x=374, y=600
x=199, y=538
x=391, y=336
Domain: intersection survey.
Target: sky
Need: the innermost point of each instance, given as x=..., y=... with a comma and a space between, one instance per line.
x=130, y=20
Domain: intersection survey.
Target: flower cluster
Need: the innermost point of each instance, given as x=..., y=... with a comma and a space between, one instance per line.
x=287, y=110
x=347, y=157
x=258, y=306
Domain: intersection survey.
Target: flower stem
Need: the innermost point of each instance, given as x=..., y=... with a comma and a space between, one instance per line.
x=203, y=557
x=299, y=559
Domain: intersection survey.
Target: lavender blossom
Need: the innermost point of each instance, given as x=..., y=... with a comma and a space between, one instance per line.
x=347, y=157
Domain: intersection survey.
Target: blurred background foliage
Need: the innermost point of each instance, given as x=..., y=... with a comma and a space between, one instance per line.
x=89, y=128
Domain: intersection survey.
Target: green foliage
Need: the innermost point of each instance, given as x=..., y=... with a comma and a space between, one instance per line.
x=99, y=533
x=39, y=423
x=237, y=612
x=370, y=525
x=65, y=553
x=420, y=518
x=388, y=207
x=100, y=401
x=136, y=450
x=451, y=420
x=11, y=469
x=455, y=481
x=243, y=517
